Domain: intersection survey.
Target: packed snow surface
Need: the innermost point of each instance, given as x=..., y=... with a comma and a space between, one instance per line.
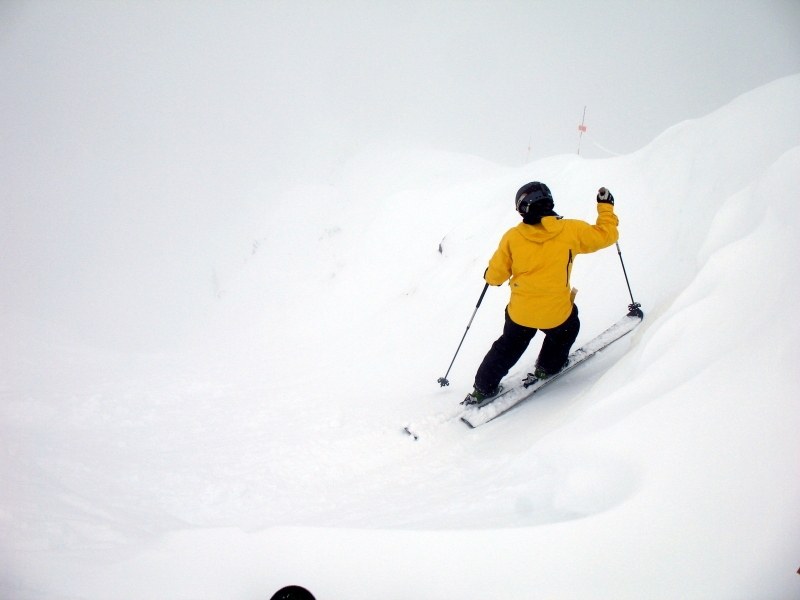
x=273, y=452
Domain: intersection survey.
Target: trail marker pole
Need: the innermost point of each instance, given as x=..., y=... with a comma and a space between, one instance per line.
x=582, y=129
x=528, y=155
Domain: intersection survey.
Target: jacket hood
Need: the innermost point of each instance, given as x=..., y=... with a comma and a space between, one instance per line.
x=548, y=228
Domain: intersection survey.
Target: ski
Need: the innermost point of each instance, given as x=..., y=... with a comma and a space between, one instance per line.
x=475, y=416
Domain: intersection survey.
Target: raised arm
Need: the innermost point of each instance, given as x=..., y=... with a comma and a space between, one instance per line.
x=603, y=233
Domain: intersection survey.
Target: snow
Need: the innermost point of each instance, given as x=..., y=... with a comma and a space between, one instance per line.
x=272, y=453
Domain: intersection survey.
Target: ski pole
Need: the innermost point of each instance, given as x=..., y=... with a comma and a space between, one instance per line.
x=442, y=381
x=634, y=308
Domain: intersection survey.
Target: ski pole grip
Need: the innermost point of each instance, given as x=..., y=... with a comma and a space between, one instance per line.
x=483, y=293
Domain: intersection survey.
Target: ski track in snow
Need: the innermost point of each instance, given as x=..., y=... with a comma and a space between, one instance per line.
x=671, y=456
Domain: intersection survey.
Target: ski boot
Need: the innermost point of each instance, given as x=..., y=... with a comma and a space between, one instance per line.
x=476, y=397
x=537, y=375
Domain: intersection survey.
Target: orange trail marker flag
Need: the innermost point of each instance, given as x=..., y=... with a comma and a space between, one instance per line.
x=582, y=129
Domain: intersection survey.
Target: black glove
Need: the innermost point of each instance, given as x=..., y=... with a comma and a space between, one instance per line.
x=603, y=195
x=484, y=277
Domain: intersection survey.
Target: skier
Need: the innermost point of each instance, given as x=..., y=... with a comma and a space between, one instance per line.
x=537, y=255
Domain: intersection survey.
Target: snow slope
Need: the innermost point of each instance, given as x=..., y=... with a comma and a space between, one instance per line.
x=273, y=453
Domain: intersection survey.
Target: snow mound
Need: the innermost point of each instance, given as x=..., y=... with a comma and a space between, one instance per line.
x=275, y=451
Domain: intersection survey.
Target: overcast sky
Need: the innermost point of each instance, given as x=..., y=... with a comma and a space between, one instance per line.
x=130, y=130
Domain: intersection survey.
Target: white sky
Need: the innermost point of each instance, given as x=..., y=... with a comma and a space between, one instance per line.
x=132, y=130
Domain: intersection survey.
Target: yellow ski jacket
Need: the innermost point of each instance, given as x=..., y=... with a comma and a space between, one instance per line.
x=538, y=259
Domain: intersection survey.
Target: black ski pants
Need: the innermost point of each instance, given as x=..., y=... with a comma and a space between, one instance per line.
x=510, y=346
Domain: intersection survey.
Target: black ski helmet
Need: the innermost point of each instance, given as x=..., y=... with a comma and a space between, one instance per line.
x=293, y=592
x=534, y=193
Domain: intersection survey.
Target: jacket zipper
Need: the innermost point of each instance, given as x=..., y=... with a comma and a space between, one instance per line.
x=568, y=263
